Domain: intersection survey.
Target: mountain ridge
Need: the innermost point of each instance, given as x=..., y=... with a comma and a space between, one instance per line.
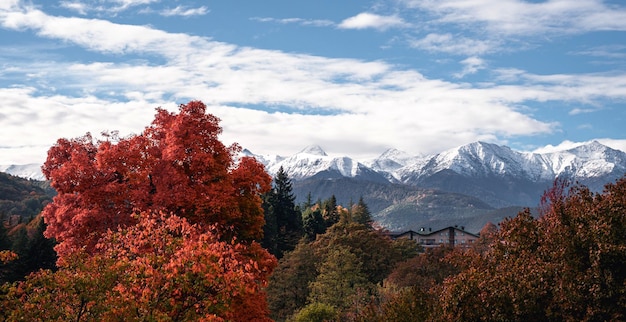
x=466, y=185
x=496, y=174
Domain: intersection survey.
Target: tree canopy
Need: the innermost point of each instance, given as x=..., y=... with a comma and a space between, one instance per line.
x=177, y=165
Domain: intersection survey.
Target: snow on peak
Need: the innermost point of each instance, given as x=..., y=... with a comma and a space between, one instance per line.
x=390, y=161
x=314, y=150
x=594, y=149
x=29, y=171
x=396, y=155
x=478, y=158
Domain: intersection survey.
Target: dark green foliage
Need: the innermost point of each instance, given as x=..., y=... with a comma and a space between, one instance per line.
x=22, y=199
x=283, y=221
x=270, y=228
x=5, y=244
x=313, y=223
x=330, y=213
x=342, y=268
x=33, y=249
x=21, y=227
x=40, y=253
x=341, y=275
x=360, y=213
x=288, y=288
x=378, y=253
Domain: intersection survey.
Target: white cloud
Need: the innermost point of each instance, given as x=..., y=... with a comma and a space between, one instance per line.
x=616, y=144
x=367, y=20
x=94, y=34
x=9, y=4
x=471, y=66
x=524, y=18
x=112, y=7
x=577, y=111
x=451, y=44
x=299, y=21
x=184, y=11
x=347, y=105
x=120, y=5
x=78, y=7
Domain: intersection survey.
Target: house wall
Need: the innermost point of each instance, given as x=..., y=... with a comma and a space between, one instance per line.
x=447, y=236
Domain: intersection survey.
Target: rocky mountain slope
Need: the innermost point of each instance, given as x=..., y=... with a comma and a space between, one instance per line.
x=495, y=174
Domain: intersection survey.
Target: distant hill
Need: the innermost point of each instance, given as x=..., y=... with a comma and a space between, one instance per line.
x=401, y=207
x=22, y=199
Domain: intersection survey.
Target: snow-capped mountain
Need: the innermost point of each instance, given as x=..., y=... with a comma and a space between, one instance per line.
x=496, y=174
x=28, y=171
x=313, y=161
x=474, y=160
x=480, y=160
x=392, y=160
x=503, y=177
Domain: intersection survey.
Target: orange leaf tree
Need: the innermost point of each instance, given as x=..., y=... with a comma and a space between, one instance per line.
x=161, y=269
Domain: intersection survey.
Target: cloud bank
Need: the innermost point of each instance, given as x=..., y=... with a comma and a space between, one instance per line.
x=269, y=101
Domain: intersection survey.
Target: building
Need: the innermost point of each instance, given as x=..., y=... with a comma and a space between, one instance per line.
x=454, y=236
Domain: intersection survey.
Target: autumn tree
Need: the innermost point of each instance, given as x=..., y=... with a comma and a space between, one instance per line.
x=288, y=290
x=176, y=165
x=565, y=265
x=376, y=252
x=169, y=216
x=163, y=269
x=283, y=221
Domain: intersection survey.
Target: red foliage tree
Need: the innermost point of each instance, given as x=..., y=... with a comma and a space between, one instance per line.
x=157, y=226
x=177, y=165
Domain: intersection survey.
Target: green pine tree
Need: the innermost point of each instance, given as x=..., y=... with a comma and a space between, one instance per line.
x=281, y=211
x=331, y=214
x=361, y=213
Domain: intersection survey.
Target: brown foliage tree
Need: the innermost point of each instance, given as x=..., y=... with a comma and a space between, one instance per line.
x=566, y=265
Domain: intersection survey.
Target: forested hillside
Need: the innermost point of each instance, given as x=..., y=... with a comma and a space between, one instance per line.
x=21, y=226
x=21, y=199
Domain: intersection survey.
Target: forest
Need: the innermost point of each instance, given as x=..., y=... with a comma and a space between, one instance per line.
x=170, y=225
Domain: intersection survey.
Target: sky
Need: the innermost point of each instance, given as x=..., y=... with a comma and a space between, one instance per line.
x=355, y=77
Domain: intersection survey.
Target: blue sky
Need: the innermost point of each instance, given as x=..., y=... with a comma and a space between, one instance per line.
x=356, y=77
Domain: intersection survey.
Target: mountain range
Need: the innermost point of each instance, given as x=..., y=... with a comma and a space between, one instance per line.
x=466, y=186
